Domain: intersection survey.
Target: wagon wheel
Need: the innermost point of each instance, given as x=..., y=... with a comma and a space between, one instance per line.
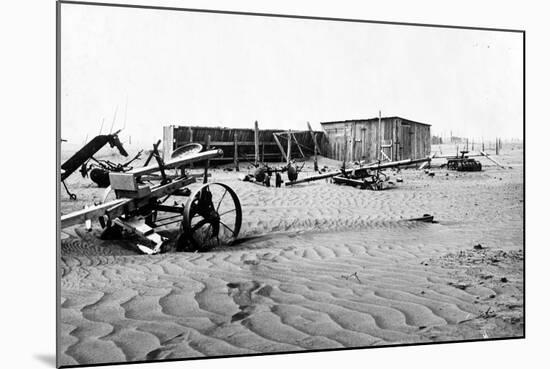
x=212, y=217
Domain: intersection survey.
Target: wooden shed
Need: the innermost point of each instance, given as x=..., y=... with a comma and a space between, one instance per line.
x=384, y=138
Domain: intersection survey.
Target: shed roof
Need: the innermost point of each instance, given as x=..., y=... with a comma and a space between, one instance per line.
x=375, y=120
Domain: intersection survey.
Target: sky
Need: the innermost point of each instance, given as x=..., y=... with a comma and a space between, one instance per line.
x=144, y=69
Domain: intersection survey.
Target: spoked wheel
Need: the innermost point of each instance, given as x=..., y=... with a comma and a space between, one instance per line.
x=212, y=218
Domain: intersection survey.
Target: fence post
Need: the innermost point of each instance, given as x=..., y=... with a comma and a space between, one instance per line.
x=256, y=143
x=236, y=153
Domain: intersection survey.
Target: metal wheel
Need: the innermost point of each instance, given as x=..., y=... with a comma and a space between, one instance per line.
x=212, y=217
x=188, y=149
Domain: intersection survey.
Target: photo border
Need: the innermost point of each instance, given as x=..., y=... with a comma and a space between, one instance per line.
x=271, y=15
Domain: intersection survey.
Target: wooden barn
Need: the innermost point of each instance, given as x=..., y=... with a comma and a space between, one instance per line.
x=272, y=145
x=384, y=138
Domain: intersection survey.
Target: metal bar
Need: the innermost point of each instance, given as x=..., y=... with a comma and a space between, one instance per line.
x=175, y=163
x=423, y=165
x=368, y=167
x=493, y=160
x=167, y=223
x=151, y=154
x=168, y=208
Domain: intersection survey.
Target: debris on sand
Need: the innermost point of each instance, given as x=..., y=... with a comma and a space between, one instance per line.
x=352, y=275
x=427, y=218
x=499, y=299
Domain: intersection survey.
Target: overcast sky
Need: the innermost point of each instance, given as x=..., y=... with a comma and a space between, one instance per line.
x=230, y=70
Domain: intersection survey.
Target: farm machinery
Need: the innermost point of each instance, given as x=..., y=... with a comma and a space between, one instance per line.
x=369, y=176
x=263, y=172
x=98, y=171
x=463, y=163
x=209, y=214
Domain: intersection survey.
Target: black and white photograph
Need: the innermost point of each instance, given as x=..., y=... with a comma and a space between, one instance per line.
x=238, y=183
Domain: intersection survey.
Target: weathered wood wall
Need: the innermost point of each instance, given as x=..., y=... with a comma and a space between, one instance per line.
x=359, y=139
x=223, y=138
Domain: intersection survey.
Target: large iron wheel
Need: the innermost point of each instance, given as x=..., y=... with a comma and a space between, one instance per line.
x=212, y=217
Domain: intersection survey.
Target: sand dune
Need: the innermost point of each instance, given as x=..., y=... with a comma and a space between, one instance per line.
x=321, y=266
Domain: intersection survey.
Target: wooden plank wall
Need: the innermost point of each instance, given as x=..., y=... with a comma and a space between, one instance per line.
x=223, y=138
x=366, y=145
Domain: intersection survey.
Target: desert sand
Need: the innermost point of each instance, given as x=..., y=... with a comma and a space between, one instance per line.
x=321, y=266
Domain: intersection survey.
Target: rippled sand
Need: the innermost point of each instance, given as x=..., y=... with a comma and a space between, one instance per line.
x=322, y=266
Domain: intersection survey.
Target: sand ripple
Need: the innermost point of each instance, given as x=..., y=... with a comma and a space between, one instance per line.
x=320, y=266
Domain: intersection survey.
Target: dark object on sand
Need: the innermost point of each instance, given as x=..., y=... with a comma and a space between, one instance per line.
x=427, y=218
x=463, y=163
x=263, y=172
x=371, y=179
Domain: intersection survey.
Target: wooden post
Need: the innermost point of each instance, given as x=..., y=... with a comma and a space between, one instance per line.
x=353, y=136
x=345, y=146
x=280, y=146
x=380, y=136
x=288, y=147
x=190, y=140
x=298, y=144
x=236, y=153
x=256, y=143
x=315, y=147
x=207, y=164
x=482, y=145
x=496, y=147
x=167, y=141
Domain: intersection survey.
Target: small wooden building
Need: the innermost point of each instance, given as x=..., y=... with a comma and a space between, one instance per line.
x=385, y=138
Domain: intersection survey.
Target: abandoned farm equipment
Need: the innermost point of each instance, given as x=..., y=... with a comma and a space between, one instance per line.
x=463, y=163
x=369, y=176
x=82, y=156
x=209, y=215
x=263, y=173
x=99, y=169
x=365, y=179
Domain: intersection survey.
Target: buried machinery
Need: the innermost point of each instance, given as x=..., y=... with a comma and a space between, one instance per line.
x=364, y=177
x=209, y=216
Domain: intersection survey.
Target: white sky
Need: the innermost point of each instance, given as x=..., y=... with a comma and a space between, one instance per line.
x=230, y=70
